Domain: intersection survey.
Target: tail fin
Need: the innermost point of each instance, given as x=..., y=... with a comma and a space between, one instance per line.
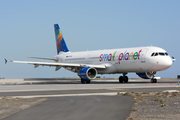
x=60, y=43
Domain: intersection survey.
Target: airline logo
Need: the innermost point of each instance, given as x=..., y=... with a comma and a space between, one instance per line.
x=60, y=43
x=107, y=57
x=122, y=56
x=59, y=36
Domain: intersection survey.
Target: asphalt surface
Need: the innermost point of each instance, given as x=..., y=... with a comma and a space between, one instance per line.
x=79, y=92
x=68, y=99
x=78, y=108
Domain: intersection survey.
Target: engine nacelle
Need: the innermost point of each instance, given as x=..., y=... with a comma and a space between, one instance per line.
x=87, y=73
x=146, y=75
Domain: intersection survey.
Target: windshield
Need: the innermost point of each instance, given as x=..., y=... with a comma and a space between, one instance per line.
x=159, y=54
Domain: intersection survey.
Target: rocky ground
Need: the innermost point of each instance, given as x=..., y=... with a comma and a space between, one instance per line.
x=155, y=105
x=10, y=105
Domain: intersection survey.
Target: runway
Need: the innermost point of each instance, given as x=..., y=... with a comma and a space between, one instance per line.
x=49, y=87
x=68, y=99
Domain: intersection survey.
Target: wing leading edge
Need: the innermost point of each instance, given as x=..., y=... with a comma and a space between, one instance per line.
x=45, y=58
x=59, y=65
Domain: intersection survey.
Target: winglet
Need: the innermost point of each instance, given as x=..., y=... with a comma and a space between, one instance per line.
x=5, y=60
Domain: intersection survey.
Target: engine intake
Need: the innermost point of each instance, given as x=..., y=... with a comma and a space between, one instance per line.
x=146, y=75
x=87, y=73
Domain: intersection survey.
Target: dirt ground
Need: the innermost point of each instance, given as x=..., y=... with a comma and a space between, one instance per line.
x=10, y=105
x=155, y=106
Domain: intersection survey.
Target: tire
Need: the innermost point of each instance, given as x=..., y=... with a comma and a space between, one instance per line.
x=126, y=79
x=88, y=82
x=83, y=81
x=152, y=80
x=121, y=79
x=155, y=80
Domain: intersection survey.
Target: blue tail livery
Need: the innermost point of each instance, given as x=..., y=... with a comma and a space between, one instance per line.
x=60, y=43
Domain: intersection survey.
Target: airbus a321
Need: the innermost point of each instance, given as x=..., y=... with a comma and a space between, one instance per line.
x=144, y=61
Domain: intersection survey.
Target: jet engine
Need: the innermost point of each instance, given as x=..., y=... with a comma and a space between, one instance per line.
x=87, y=73
x=146, y=75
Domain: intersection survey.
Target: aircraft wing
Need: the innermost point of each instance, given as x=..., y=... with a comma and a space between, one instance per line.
x=44, y=58
x=59, y=65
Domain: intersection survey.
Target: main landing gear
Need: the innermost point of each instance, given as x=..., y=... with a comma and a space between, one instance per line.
x=123, y=78
x=85, y=81
x=153, y=80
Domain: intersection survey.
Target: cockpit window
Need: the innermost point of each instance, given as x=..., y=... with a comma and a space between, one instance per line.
x=156, y=54
x=152, y=54
x=166, y=53
x=161, y=53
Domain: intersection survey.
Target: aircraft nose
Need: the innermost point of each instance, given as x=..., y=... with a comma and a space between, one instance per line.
x=167, y=63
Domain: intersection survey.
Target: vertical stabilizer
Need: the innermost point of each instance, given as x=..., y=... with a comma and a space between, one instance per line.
x=60, y=43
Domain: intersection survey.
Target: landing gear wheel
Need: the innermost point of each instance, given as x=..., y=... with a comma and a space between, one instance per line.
x=85, y=81
x=88, y=81
x=153, y=80
x=126, y=79
x=121, y=79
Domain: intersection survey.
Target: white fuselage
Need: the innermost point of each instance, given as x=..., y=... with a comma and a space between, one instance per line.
x=124, y=60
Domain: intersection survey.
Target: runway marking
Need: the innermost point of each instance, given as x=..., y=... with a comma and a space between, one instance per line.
x=82, y=88
x=114, y=89
x=171, y=91
x=67, y=95
x=160, y=84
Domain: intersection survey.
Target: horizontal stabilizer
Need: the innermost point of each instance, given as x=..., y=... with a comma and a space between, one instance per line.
x=5, y=60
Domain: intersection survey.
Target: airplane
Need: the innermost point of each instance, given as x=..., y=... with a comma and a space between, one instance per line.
x=144, y=61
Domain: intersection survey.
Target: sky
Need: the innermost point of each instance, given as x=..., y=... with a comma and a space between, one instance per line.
x=27, y=30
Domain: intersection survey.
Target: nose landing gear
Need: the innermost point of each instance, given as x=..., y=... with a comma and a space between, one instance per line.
x=153, y=80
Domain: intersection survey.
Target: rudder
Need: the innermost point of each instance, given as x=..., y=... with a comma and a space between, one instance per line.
x=60, y=43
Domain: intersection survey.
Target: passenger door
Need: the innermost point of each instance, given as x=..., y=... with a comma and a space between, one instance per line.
x=143, y=55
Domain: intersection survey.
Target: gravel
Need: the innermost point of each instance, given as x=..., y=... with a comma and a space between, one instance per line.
x=9, y=105
x=155, y=106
